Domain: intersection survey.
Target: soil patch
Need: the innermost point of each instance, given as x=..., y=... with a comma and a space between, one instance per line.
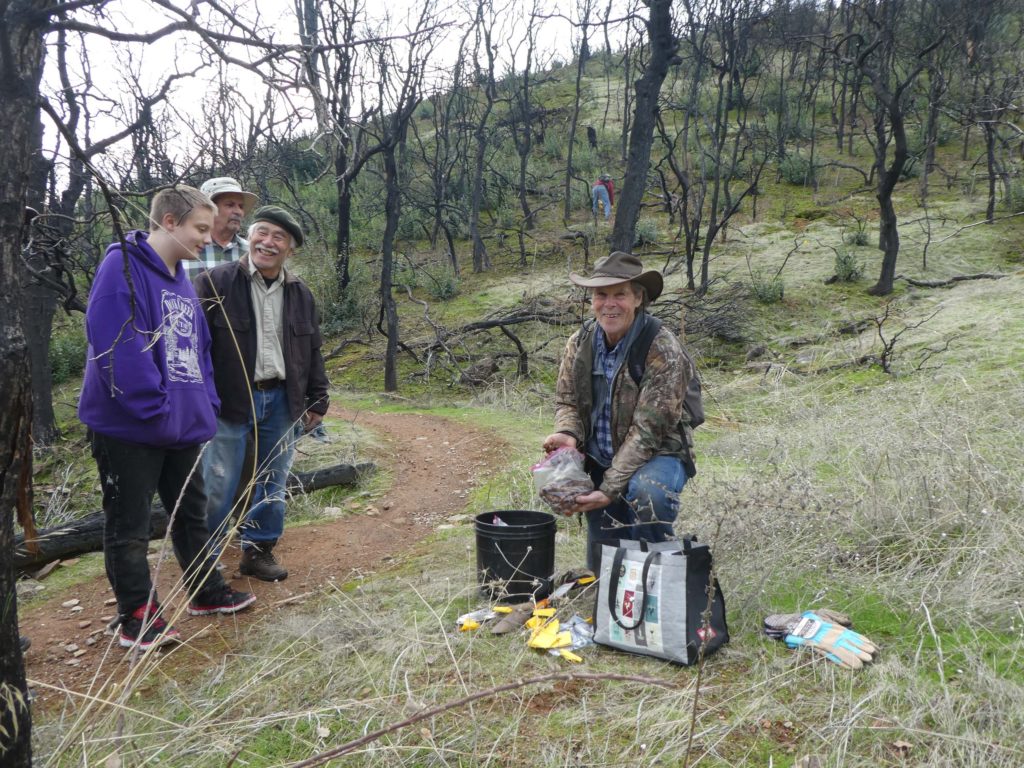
x=432, y=474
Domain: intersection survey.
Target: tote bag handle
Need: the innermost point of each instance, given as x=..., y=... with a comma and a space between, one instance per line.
x=613, y=588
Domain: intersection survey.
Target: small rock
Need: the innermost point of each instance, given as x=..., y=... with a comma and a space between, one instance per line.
x=372, y=511
x=106, y=618
x=84, y=623
x=73, y=662
x=27, y=587
x=333, y=511
x=445, y=527
x=387, y=505
x=110, y=601
x=78, y=609
x=70, y=603
x=91, y=640
x=79, y=652
x=70, y=647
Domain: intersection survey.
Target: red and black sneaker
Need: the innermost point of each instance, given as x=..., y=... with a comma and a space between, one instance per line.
x=157, y=632
x=224, y=600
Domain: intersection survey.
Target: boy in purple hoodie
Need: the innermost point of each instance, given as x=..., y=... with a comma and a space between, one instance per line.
x=149, y=401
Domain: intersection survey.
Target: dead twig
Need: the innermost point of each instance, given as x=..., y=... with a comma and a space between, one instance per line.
x=434, y=711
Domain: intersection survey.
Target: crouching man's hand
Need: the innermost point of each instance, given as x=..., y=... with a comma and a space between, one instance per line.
x=558, y=440
x=591, y=501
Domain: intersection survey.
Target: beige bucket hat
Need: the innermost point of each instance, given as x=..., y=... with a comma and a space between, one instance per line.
x=224, y=184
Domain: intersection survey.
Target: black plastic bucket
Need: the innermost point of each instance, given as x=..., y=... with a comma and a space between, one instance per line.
x=515, y=561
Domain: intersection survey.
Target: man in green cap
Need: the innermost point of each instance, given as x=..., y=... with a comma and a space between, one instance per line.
x=274, y=390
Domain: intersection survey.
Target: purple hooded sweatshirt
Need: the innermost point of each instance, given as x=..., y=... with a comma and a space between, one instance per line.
x=148, y=380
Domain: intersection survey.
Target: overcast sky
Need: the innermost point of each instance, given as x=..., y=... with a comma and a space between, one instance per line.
x=114, y=68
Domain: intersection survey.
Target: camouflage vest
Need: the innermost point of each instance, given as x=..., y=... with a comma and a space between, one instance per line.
x=624, y=394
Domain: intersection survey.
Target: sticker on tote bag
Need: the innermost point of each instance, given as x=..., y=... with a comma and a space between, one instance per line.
x=706, y=634
x=651, y=614
x=627, y=604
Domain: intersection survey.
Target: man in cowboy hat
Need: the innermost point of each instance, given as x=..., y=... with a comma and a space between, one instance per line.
x=635, y=435
x=233, y=203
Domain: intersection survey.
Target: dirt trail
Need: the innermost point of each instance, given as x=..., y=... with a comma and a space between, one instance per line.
x=427, y=457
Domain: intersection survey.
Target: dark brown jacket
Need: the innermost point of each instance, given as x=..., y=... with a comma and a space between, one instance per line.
x=226, y=297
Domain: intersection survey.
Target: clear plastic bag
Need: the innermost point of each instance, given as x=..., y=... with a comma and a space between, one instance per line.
x=560, y=478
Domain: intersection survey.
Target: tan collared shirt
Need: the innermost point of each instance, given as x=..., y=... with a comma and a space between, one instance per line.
x=268, y=310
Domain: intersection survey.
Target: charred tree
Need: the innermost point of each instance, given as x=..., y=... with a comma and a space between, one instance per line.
x=21, y=66
x=880, y=64
x=485, y=78
x=663, y=46
x=585, y=8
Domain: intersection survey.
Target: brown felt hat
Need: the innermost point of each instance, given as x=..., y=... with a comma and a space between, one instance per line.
x=618, y=268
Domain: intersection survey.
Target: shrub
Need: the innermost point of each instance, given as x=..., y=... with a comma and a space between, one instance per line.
x=67, y=353
x=410, y=225
x=405, y=273
x=1013, y=199
x=341, y=311
x=507, y=217
x=646, y=232
x=797, y=169
x=812, y=213
x=848, y=267
x=554, y=145
x=767, y=290
x=858, y=236
x=911, y=168
x=441, y=284
x=425, y=110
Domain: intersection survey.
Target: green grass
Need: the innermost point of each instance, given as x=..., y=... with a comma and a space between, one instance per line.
x=896, y=499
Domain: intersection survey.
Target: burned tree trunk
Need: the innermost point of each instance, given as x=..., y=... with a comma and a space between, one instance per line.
x=86, y=535
x=663, y=45
x=21, y=66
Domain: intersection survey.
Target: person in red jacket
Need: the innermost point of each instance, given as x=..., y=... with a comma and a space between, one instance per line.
x=603, y=192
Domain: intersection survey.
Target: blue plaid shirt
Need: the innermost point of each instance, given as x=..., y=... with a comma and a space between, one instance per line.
x=606, y=362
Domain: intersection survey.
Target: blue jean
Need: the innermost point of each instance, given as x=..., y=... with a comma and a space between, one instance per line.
x=275, y=436
x=599, y=193
x=645, y=512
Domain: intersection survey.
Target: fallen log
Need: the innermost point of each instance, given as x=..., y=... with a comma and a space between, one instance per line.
x=86, y=534
x=953, y=280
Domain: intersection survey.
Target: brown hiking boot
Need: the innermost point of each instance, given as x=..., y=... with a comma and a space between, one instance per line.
x=258, y=561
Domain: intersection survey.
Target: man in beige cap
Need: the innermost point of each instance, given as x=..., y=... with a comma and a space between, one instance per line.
x=233, y=203
x=625, y=410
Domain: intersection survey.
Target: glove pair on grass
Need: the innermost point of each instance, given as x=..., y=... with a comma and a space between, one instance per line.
x=825, y=632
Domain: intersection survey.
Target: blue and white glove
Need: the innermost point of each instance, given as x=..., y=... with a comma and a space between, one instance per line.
x=839, y=645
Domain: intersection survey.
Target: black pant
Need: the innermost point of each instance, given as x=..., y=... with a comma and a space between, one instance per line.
x=130, y=474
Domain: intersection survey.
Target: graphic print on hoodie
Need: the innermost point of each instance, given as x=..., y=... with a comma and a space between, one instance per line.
x=181, y=339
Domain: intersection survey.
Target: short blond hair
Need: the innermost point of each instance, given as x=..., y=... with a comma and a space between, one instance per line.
x=178, y=201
